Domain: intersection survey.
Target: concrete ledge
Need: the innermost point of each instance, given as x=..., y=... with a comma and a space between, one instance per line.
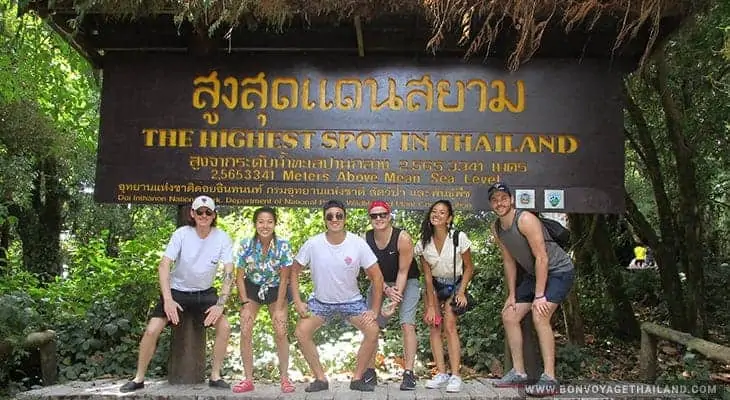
x=478, y=388
x=162, y=390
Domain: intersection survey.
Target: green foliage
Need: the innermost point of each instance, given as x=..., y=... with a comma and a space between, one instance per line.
x=694, y=373
x=571, y=361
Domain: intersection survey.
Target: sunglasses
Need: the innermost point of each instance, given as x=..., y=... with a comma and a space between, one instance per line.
x=382, y=215
x=207, y=212
x=334, y=217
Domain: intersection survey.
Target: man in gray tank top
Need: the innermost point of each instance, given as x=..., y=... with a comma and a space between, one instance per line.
x=548, y=277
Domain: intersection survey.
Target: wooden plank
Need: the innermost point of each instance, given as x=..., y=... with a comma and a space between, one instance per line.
x=710, y=350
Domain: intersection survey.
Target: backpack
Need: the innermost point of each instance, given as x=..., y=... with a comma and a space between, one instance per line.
x=557, y=232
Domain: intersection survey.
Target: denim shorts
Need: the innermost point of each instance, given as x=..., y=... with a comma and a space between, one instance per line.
x=333, y=311
x=193, y=302
x=408, y=307
x=556, y=290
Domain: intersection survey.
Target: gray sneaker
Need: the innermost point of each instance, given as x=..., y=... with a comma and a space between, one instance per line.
x=511, y=379
x=545, y=386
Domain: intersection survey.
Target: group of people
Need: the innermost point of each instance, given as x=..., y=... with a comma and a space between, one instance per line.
x=268, y=273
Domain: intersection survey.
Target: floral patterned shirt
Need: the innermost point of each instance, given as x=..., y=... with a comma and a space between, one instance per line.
x=263, y=269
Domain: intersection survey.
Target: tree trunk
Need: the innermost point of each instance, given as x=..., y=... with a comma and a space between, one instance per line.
x=574, y=326
x=4, y=245
x=623, y=312
x=666, y=246
x=39, y=227
x=690, y=214
x=668, y=272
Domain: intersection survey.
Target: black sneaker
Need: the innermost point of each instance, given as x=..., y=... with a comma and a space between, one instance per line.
x=219, y=384
x=370, y=377
x=409, y=381
x=361, y=385
x=317, y=386
x=131, y=386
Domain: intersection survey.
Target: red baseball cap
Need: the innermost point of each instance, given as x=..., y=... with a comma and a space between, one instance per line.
x=379, y=203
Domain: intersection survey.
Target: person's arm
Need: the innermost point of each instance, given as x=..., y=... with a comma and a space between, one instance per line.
x=294, y=272
x=226, y=287
x=428, y=282
x=170, y=306
x=405, y=258
x=510, y=267
x=531, y=228
x=240, y=286
x=467, y=271
x=216, y=311
x=283, y=282
x=376, y=278
x=241, y=273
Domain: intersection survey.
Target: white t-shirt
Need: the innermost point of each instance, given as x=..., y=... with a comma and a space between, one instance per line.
x=196, y=259
x=335, y=267
x=442, y=265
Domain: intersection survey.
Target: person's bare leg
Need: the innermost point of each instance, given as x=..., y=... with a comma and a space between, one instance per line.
x=367, y=347
x=148, y=345
x=511, y=318
x=437, y=348
x=220, y=347
x=279, y=321
x=248, y=318
x=410, y=344
x=306, y=327
x=546, y=339
x=453, y=344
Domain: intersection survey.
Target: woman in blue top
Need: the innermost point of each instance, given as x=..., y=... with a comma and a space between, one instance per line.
x=262, y=279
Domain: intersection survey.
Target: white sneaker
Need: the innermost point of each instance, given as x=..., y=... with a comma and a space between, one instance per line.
x=454, y=385
x=437, y=381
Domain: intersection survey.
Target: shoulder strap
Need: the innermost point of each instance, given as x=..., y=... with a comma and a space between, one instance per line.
x=370, y=238
x=393, y=243
x=456, y=244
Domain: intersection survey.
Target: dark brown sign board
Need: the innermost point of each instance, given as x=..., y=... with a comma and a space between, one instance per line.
x=297, y=130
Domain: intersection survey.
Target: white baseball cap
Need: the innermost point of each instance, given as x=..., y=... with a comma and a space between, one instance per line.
x=203, y=201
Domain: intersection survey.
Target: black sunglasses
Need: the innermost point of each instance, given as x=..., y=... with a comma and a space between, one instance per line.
x=382, y=215
x=207, y=212
x=334, y=217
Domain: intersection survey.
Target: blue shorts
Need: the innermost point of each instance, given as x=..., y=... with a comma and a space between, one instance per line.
x=556, y=290
x=408, y=306
x=332, y=311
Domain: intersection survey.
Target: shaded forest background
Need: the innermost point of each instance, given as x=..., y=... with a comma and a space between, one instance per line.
x=69, y=264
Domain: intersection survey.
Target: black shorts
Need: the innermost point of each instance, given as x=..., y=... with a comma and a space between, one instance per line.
x=272, y=293
x=193, y=302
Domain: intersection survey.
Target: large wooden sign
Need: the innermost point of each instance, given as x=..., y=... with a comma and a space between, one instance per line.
x=290, y=130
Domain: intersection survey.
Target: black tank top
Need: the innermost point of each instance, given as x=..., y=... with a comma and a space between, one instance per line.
x=388, y=257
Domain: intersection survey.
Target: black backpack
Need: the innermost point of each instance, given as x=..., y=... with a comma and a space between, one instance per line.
x=558, y=233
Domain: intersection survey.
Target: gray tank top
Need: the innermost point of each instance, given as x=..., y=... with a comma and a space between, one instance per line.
x=516, y=243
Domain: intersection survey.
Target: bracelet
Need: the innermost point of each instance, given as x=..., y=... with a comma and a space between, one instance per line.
x=539, y=297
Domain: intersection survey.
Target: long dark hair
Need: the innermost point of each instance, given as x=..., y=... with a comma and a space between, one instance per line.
x=427, y=227
x=259, y=211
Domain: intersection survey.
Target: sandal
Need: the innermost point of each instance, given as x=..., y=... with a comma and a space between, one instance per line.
x=245, y=385
x=287, y=386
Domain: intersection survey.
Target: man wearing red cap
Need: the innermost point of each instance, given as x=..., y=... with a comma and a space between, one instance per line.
x=394, y=249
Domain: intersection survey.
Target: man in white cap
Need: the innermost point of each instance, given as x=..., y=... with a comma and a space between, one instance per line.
x=196, y=251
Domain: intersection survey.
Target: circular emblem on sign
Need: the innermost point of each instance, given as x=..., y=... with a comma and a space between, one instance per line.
x=554, y=199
